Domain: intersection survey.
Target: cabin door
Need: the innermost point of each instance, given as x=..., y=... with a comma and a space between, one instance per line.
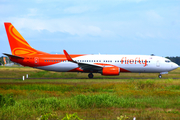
x=158, y=63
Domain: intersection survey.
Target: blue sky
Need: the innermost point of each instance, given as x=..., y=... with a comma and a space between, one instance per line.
x=95, y=26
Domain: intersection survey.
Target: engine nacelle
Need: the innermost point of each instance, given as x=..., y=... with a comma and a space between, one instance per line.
x=110, y=71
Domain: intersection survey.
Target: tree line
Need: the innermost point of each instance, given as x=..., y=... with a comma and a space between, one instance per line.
x=8, y=61
x=175, y=59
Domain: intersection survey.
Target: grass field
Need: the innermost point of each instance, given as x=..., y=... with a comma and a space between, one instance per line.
x=130, y=95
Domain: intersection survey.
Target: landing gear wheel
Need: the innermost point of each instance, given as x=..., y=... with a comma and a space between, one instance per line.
x=90, y=75
x=160, y=76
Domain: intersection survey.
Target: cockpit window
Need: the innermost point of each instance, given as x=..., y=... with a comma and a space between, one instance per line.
x=167, y=61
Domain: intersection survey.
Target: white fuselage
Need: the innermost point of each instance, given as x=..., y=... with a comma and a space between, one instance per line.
x=130, y=63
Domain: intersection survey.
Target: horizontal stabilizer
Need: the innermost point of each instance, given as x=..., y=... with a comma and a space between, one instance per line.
x=13, y=56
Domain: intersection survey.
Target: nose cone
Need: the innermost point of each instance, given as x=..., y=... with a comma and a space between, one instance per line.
x=174, y=66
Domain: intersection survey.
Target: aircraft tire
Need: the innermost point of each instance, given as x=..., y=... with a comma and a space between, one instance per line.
x=160, y=76
x=90, y=75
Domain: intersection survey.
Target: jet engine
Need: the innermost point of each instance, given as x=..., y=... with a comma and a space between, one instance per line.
x=110, y=71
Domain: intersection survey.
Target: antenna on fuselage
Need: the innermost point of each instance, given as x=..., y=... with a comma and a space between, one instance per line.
x=152, y=55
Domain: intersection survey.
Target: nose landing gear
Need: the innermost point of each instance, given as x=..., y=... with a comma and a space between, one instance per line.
x=160, y=76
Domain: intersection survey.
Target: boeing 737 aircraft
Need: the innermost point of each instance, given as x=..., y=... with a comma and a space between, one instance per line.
x=25, y=55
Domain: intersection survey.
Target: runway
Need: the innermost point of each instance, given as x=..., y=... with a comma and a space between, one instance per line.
x=85, y=78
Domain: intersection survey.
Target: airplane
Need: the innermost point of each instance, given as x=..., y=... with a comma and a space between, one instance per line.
x=107, y=65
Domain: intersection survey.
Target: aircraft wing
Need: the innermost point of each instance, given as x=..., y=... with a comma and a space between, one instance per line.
x=13, y=56
x=84, y=66
x=93, y=67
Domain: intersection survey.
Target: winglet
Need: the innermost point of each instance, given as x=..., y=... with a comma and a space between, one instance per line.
x=68, y=56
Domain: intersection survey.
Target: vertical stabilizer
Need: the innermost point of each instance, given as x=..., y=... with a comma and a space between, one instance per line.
x=19, y=46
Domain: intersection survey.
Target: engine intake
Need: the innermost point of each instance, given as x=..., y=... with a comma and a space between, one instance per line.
x=110, y=71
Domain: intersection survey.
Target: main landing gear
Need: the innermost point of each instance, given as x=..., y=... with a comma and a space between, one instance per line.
x=90, y=75
x=160, y=76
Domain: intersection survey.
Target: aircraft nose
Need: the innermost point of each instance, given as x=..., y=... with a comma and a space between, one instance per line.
x=174, y=66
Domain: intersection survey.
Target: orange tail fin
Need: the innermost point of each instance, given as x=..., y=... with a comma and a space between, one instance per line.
x=18, y=44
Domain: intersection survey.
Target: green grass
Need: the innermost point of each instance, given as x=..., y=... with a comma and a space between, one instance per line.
x=153, y=99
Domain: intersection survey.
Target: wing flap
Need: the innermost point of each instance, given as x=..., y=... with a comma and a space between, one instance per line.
x=86, y=66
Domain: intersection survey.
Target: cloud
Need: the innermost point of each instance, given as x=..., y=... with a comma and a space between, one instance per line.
x=152, y=15
x=65, y=25
x=104, y=19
